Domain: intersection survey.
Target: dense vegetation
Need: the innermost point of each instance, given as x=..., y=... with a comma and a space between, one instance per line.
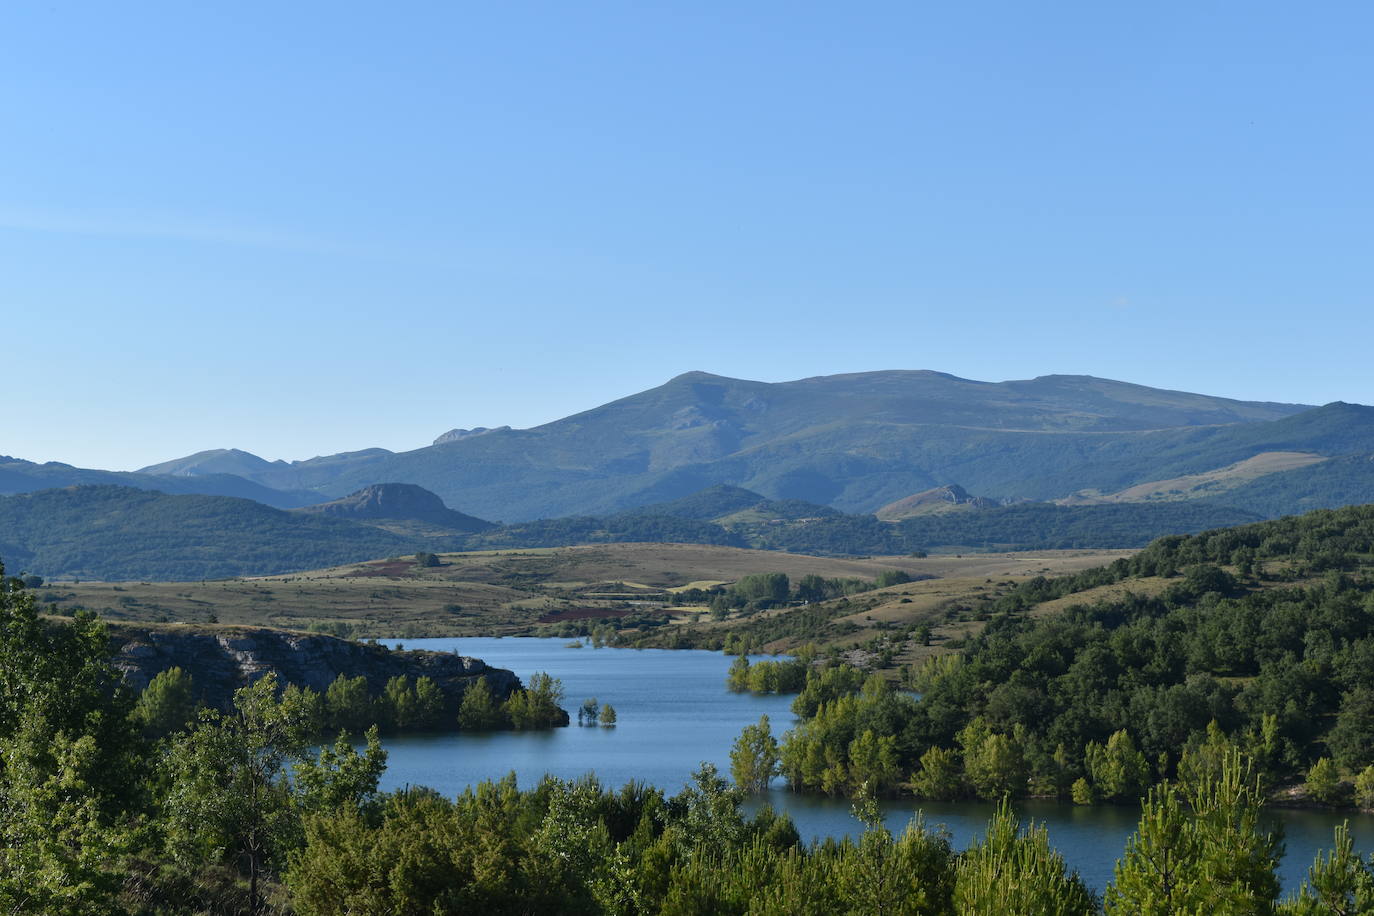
x=1260, y=637
x=97, y=820
x=168, y=704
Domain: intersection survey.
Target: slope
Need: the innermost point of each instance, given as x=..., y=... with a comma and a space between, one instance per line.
x=103, y=532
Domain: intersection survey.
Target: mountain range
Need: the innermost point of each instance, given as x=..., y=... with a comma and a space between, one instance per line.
x=880, y=462
x=854, y=442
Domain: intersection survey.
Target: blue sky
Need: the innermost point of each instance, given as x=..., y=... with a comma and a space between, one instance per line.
x=300, y=228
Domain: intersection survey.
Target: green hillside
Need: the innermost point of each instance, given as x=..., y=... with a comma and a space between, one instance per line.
x=103, y=532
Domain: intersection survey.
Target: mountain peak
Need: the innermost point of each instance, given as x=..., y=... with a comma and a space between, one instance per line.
x=398, y=502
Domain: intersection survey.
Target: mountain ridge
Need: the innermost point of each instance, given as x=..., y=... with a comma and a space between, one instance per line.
x=854, y=442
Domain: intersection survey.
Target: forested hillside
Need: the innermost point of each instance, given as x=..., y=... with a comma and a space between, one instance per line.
x=1263, y=633
x=103, y=532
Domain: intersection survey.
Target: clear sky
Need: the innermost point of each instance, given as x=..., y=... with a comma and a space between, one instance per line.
x=300, y=228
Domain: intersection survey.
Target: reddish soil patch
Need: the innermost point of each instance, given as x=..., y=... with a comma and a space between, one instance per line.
x=584, y=613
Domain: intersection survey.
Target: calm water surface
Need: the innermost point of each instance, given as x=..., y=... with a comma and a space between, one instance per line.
x=674, y=713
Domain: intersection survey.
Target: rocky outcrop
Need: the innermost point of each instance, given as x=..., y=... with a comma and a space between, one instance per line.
x=936, y=501
x=222, y=659
x=402, y=502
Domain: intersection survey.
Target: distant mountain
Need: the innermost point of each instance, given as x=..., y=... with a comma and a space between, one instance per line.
x=400, y=507
x=852, y=442
x=103, y=532
x=19, y=476
x=935, y=501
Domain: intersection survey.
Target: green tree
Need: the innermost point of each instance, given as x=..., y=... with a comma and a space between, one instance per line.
x=339, y=777
x=1364, y=788
x=754, y=758
x=399, y=705
x=70, y=762
x=1339, y=883
x=1199, y=848
x=940, y=776
x=229, y=798
x=873, y=761
x=431, y=706
x=349, y=705
x=608, y=715
x=536, y=706
x=479, y=710
x=1011, y=871
x=993, y=764
x=1119, y=771
x=167, y=704
x=1324, y=782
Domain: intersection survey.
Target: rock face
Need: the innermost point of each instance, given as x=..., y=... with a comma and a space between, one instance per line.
x=403, y=502
x=222, y=659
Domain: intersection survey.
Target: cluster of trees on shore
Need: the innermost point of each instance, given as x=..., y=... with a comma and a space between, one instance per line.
x=168, y=704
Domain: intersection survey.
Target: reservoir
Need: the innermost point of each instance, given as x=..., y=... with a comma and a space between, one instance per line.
x=675, y=712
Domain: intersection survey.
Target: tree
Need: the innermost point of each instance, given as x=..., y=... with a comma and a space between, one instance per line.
x=229, y=796
x=479, y=710
x=399, y=704
x=873, y=761
x=431, y=706
x=1011, y=871
x=1339, y=883
x=993, y=763
x=70, y=762
x=754, y=758
x=1364, y=788
x=340, y=777
x=426, y=560
x=167, y=704
x=1323, y=782
x=1119, y=772
x=608, y=715
x=588, y=712
x=890, y=577
x=940, y=776
x=537, y=705
x=349, y=705
x=1199, y=848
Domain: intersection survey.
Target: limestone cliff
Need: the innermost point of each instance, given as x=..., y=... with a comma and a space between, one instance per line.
x=221, y=659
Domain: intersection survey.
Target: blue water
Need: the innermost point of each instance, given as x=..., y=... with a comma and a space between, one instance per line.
x=675, y=712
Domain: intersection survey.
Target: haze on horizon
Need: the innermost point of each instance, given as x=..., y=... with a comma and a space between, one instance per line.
x=309, y=229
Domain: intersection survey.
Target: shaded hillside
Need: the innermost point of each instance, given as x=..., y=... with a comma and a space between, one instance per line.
x=1028, y=526
x=397, y=506
x=1338, y=482
x=124, y=533
x=854, y=442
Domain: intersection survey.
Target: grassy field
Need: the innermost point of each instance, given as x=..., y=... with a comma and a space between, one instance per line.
x=521, y=591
